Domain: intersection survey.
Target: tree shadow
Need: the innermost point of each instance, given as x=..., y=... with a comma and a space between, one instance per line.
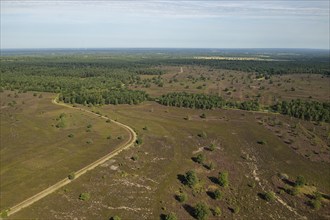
x=207, y=148
x=325, y=196
x=181, y=178
x=207, y=166
x=176, y=197
x=210, y=194
x=213, y=179
x=231, y=209
x=288, y=182
x=162, y=217
x=262, y=196
x=309, y=196
x=189, y=209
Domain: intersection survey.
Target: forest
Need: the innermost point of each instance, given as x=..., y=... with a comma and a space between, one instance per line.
x=106, y=80
x=311, y=111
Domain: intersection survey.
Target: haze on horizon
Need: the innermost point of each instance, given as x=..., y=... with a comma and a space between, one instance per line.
x=164, y=24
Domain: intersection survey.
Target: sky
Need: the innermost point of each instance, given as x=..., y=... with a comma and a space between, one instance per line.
x=164, y=24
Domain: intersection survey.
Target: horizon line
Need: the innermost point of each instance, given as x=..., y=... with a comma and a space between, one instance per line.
x=209, y=48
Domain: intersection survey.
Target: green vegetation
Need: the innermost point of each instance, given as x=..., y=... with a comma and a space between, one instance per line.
x=71, y=176
x=116, y=217
x=217, y=212
x=188, y=100
x=269, y=196
x=191, y=178
x=4, y=214
x=293, y=191
x=135, y=158
x=236, y=209
x=223, y=179
x=300, y=181
x=182, y=197
x=138, y=141
x=84, y=196
x=313, y=111
x=201, y=211
x=315, y=204
x=170, y=216
x=212, y=147
x=199, y=158
x=217, y=194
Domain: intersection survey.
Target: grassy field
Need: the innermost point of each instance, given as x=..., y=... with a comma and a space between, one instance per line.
x=143, y=181
x=42, y=143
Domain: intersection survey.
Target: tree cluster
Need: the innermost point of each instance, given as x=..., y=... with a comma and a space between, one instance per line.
x=313, y=111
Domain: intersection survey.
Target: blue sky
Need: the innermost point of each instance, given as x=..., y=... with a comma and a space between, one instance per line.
x=168, y=23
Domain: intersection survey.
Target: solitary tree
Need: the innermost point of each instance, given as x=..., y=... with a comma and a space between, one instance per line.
x=84, y=196
x=300, y=181
x=223, y=179
x=217, y=194
x=191, y=178
x=171, y=216
x=199, y=158
x=201, y=211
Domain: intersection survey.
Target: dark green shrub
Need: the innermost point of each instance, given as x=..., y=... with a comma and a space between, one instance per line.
x=269, y=196
x=217, y=194
x=217, y=212
x=236, y=209
x=223, y=179
x=300, y=181
x=202, y=135
x=84, y=196
x=293, y=191
x=201, y=211
x=199, y=158
x=315, y=204
x=71, y=176
x=135, y=158
x=170, y=216
x=116, y=217
x=212, y=147
x=191, y=178
x=261, y=142
x=138, y=141
x=182, y=197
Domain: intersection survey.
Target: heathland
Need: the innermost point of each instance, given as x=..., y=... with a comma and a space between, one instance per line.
x=221, y=134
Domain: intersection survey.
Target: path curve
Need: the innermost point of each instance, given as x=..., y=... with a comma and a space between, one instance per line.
x=63, y=182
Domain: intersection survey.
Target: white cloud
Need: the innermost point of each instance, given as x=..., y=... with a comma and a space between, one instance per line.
x=183, y=9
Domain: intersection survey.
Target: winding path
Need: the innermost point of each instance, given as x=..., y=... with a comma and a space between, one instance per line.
x=63, y=182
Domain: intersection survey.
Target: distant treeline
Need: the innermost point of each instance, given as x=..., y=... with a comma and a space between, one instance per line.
x=204, y=101
x=314, y=111
x=103, y=66
x=188, y=100
x=76, y=82
x=104, y=96
x=262, y=67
